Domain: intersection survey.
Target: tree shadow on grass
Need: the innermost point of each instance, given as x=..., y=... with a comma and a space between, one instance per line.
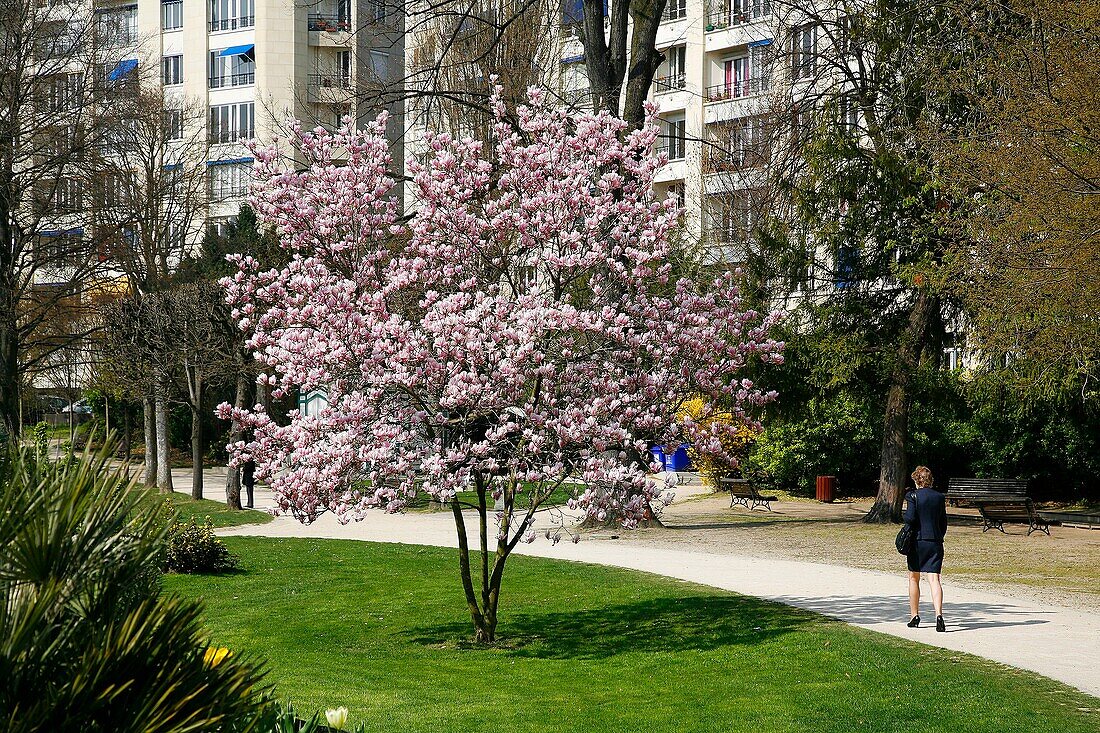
x=695, y=623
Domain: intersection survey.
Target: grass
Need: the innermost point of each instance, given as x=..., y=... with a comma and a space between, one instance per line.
x=219, y=514
x=382, y=629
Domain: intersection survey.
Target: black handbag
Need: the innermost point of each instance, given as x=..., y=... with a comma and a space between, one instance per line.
x=906, y=541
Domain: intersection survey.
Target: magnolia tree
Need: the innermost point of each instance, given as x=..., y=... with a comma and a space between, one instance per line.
x=521, y=333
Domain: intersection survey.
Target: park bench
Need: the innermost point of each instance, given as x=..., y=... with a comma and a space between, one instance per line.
x=744, y=493
x=998, y=501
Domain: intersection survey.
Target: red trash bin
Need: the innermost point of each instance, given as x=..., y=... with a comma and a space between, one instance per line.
x=826, y=488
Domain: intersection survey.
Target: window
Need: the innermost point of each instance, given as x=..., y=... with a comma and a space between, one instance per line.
x=60, y=247
x=236, y=70
x=675, y=10
x=229, y=180
x=732, y=218
x=117, y=26
x=65, y=91
x=675, y=138
x=735, y=80
x=172, y=68
x=232, y=122
x=228, y=15
x=173, y=124
x=171, y=15
x=743, y=144
x=379, y=64
x=67, y=196
x=760, y=69
x=803, y=51
x=673, y=76
x=378, y=10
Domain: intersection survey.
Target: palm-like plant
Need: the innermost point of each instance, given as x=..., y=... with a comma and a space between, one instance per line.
x=87, y=642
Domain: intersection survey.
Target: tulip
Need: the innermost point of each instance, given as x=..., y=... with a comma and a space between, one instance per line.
x=337, y=718
x=215, y=655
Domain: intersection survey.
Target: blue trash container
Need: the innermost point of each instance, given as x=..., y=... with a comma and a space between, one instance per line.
x=678, y=459
x=658, y=455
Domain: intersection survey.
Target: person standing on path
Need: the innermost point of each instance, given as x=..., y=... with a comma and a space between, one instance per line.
x=926, y=512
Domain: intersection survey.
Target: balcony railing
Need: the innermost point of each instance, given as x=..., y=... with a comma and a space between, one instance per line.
x=241, y=79
x=670, y=83
x=676, y=10
x=232, y=24
x=330, y=23
x=737, y=88
x=674, y=151
x=219, y=137
x=728, y=18
x=329, y=81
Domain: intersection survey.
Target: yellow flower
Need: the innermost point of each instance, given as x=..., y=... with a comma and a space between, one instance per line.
x=337, y=718
x=215, y=655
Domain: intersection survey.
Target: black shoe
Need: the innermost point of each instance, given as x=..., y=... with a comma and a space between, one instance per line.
x=914, y=622
x=940, y=625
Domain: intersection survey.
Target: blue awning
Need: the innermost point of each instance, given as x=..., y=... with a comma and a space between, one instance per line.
x=123, y=68
x=229, y=161
x=238, y=50
x=573, y=59
x=765, y=42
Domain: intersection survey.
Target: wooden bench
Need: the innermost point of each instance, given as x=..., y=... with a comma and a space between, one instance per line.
x=967, y=490
x=998, y=501
x=996, y=512
x=744, y=493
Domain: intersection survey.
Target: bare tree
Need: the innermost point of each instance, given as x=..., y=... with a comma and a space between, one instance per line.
x=50, y=118
x=148, y=188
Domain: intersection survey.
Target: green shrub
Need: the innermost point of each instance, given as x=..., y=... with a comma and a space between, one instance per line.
x=87, y=642
x=836, y=435
x=193, y=548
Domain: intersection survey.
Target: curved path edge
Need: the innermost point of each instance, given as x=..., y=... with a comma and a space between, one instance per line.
x=1056, y=642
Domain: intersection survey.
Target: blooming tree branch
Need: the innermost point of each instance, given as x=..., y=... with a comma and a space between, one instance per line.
x=522, y=332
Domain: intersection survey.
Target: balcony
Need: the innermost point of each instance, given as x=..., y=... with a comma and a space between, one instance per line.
x=330, y=88
x=232, y=24
x=675, y=151
x=670, y=83
x=736, y=88
x=330, y=23
x=731, y=17
x=329, y=30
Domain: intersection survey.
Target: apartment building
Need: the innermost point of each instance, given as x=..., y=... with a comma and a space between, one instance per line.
x=251, y=64
x=714, y=92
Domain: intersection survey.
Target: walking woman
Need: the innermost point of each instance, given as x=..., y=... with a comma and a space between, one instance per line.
x=926, y=511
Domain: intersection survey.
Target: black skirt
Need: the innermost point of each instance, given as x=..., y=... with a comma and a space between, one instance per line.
x=927, y=557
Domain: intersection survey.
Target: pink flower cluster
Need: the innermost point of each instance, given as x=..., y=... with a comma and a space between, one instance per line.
x=522, y=329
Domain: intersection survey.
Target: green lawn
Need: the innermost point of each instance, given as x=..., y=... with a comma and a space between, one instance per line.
x=219, y=515
x=382, y=629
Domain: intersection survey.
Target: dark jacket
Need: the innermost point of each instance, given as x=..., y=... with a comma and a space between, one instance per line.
x=926, y=510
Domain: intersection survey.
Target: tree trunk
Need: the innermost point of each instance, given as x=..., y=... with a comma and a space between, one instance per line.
x=127, y=429
x=195, y=388
x=9, y=363
x=164, y=453
x=607, y=61
x=236, y=433
x=196, y=452
x=149, y=414
x=484, y=631
x=893, y=463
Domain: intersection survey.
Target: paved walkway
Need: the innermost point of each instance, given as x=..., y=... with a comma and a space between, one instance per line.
x=1060, y=643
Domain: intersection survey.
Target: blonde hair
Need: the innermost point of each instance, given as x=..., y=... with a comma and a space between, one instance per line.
x=922, y=477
